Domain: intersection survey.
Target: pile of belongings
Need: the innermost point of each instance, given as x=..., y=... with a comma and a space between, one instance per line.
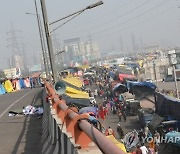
x=28, y=110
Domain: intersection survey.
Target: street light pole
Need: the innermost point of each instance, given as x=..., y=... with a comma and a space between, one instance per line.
x=49, y=40
x=175, y=80
x=48, y=33
x=45, y=60
x=155, y=77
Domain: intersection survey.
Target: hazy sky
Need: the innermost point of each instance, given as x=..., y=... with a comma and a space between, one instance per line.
x=149, y=21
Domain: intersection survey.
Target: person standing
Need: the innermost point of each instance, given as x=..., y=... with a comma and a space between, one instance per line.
x=156, y=137
x=119, y=115
x=156, y=148
x=138, y=150
x=124, y=114
x=144, y=149
x=120, y=131
x=95, y=93
x=146, y=131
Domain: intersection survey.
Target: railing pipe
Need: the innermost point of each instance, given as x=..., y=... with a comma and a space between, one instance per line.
x=105, y=144
x=95, y=135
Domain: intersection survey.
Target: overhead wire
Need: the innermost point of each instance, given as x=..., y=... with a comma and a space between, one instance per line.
x=67, y=21
x=122, y=15
x=146, y=20
x=129, y=20
x=141, y=22
x=104, y=15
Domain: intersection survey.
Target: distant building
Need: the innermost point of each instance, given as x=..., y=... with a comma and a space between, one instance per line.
x=12, y=73
x=80, y=52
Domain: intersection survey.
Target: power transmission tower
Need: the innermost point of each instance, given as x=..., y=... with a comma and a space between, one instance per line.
x=121, y=44
x=134, y=45
x=133, y=42
x=17, y=55
x=91, y=48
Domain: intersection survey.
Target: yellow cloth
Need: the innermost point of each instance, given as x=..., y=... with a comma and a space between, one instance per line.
x=8, y=86
x=74, y=81
x=119, y=144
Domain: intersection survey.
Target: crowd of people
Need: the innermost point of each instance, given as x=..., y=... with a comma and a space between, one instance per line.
x=114, y=101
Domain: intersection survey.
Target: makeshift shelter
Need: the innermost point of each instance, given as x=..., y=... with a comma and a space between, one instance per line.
x=73, y=82
x=167, y=106
x=27, y=82
x=121, y=88
x=90, y=109
x=76, y=101
x=17, y=83
x=22, y=84
x=141, y=89
x=2, y=90
x=126, y=77
x=8, y=86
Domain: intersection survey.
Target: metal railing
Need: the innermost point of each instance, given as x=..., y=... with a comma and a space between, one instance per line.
x=66, y=131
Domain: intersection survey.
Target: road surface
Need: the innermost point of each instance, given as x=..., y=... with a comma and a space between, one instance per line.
x=20, y=134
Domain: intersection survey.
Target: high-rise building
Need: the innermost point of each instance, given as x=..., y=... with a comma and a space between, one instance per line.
x=80, y=52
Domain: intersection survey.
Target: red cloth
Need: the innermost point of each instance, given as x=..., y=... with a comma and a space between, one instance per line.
x=101, y=113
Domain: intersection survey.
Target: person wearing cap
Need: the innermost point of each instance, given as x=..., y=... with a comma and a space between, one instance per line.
x=120, y=131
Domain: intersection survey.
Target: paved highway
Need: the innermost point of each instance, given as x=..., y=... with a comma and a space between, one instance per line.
x=20, y=134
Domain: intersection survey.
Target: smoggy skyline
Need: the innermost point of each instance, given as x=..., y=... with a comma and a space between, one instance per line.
x=112, y=25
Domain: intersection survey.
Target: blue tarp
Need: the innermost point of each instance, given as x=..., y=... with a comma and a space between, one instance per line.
x=142, y=84
x=2, y=90
x=22, y=84
x=88, y=109
x=121, y=88
x=167, y=106
x=141, y=89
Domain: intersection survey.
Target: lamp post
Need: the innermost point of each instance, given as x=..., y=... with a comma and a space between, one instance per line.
x=174, y=61
x=48, y=33
x=155, y=77
x=45, y=59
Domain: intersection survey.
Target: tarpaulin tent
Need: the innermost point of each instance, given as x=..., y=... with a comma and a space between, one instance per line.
x=2, y=90
x=22, y=84
x=76, y=93
x=126, y=77
x=73, y=82
x=80, y=102
x=18, y=87
x=141, y=89
x=27, y=82
x=167, y=106
x=8, y=86
x=89, y=109
x=121, y=88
